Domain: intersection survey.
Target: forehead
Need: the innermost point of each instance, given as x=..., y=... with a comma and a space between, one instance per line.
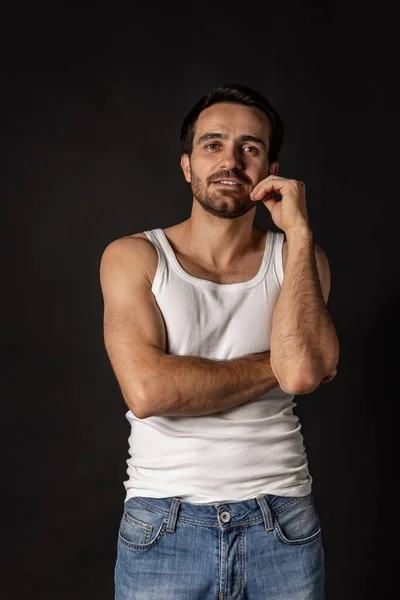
x=233, y=119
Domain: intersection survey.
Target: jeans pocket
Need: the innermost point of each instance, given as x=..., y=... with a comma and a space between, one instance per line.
x=140, y=528
x=297, y=522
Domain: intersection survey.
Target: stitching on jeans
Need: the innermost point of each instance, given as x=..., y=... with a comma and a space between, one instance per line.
x=291, y=502
x=192, y=522
x=150, y=507
x=128, y=517
x=160, y=534
x=274, y=512
x=302, y=541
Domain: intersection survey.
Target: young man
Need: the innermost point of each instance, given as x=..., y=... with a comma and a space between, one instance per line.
x=212, y=327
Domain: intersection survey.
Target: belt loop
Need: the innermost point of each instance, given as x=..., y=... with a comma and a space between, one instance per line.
x=268, y=522
x=173, y=513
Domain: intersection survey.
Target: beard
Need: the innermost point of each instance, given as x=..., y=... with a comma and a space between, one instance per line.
x=224, y=203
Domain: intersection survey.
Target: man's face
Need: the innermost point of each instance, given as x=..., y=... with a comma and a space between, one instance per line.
x=231, y=143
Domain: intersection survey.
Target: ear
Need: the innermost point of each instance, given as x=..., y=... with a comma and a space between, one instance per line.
x=273, y=169
x=185, y=164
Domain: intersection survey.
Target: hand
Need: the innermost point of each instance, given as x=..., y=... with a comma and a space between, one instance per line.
x=291, y=210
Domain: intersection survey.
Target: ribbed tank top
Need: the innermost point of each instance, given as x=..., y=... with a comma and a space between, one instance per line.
x=238, y=453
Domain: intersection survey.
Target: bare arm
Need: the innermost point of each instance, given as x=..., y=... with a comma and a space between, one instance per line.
x=200, y=386
x=304, y=344
x=151, y=381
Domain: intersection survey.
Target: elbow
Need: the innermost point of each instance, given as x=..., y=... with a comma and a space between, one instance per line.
x=294, y=386
x=150, y=397
x=138, y=404
x=147, y=399
x=140, y=412
x=303, y=388
x=303, y=385
x=297, y=389
x=157, y=402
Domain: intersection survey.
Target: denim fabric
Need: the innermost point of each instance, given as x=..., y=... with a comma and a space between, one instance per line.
x=266, y=548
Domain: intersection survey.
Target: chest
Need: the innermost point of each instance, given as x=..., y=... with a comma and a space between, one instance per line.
x=242, y=272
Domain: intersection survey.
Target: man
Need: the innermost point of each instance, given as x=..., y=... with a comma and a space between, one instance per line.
x=212, y=326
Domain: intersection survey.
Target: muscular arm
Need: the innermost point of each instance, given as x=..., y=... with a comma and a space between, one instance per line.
x=304, y=344
x=151, y=381
x=193, y=386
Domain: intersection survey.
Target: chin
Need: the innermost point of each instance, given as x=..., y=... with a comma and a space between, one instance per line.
x=225, y=210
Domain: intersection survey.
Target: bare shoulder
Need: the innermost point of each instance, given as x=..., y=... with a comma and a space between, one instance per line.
x=134, y=252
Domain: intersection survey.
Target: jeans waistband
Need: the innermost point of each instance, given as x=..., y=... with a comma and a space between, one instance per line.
x=225, y=514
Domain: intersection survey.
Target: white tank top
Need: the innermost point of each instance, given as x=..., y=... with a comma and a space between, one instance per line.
x=237, y=453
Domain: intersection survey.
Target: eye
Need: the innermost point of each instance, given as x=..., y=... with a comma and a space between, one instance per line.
x=212, y=146
x=252, y=149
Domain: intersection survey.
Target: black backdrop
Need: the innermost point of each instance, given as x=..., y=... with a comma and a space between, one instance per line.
x=91, y=108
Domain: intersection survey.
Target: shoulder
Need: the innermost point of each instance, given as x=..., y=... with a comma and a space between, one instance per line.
x=134, y=251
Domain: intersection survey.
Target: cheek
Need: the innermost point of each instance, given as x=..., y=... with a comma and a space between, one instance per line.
x=262, y=171
x=198, y=172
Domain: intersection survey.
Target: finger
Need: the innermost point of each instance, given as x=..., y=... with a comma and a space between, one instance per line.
x=273, y=183
x=267, y=186
x=267, y=179
x=264, y=196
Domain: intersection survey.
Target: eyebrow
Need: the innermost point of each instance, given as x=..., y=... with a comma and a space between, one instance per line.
x=222, y=136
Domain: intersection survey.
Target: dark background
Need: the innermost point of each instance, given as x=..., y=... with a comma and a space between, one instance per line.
x=91, y=108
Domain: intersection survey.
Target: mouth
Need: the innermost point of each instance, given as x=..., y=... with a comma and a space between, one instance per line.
x=228, y=183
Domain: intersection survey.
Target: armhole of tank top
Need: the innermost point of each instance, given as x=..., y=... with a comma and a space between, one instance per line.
x=278, y=261
x=159, y=274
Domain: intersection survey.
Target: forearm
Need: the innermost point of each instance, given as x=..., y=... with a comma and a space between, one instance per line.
x=193, y=386
x=304, y=345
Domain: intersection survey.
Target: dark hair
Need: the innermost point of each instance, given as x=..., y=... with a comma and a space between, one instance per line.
x=235, y=94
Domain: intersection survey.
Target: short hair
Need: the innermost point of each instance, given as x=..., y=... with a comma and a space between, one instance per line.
x=235, y=94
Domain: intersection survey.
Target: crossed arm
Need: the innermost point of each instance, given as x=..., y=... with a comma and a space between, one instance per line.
x=155, y=383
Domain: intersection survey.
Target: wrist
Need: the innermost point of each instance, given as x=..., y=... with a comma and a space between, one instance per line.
x=300, y=233
x=262, y=363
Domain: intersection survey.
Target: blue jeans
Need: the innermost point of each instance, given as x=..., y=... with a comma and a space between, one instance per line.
x=266, y=548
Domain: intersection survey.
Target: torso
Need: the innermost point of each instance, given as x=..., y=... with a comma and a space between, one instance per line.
x=246, y=270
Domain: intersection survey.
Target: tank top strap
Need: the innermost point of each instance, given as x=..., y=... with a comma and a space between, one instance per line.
x=279, y=238
x=162, y=252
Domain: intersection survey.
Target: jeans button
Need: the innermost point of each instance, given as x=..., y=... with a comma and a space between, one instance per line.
x=225, y=516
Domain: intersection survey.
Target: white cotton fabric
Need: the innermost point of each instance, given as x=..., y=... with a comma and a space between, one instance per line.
x=238, y=453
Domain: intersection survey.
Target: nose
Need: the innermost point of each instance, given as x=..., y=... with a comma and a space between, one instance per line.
x=231, y=158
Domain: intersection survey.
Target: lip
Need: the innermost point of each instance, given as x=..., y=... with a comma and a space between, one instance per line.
x=239, y=183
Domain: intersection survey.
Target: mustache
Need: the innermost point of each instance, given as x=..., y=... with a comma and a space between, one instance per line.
x=228, y=174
